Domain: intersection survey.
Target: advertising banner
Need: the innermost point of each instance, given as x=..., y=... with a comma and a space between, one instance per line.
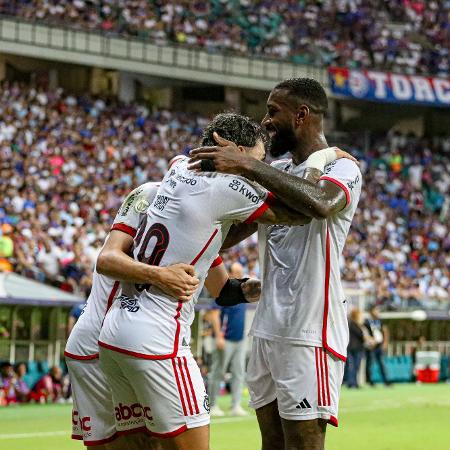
x=390, y=87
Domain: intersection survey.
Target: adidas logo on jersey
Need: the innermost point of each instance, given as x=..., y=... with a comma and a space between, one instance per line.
x=184, y=342
x=304, y=404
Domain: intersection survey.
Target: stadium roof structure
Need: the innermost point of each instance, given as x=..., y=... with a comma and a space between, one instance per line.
x=18, y=290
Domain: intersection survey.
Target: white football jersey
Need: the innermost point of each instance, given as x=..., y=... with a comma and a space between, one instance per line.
x=302, y=299
x=83, y=340
x=186, y=223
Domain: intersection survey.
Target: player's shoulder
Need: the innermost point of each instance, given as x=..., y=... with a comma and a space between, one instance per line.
x=343, y=166
x=239, y=185
x=138, y=198
x=176, y=160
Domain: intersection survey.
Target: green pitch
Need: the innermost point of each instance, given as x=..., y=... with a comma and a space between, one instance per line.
x=405, y=417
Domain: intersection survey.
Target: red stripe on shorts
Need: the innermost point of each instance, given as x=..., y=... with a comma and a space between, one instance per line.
x=319, y=402
x=179, y=386
x=180, y=365
x=322, y=376
x=325, y=357
x=197, y=411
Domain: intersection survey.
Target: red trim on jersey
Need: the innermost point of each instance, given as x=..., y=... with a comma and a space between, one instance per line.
x=333, y=421
x=319, y=402
x=112, y=294
x=341, y=185
x=179, y=386
x=124, y=228
x=175, y=159
x=131, y=353
x=170, y=434
x=326, y=295
x=78, y=437
x=197, y=411
x=80, y=358
x=104, y=441
x=180, y=366
x=270, y=200
x=204, y=248
x=326, y=375
x=217, y=262
x=177, y=331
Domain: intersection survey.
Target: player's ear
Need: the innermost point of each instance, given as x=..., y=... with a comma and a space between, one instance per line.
x=241, y=148
x=302, y=114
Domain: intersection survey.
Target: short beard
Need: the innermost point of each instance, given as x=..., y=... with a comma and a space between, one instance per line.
x=284, y=141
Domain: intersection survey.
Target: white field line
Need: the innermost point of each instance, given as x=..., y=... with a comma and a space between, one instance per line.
x=36, y=434
x=376, y=407
x=67, y=432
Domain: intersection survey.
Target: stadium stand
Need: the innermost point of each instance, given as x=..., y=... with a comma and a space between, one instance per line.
x=402, y=36
x=68, y=161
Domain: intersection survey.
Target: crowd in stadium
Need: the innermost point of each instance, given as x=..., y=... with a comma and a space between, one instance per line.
x=407, y=36
x=68, y=161
x=18, y=386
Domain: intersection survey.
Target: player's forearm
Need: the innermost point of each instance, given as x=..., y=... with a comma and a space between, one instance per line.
x=283, y=215
x=216, y=279
x=238, y=233
x=301, y=195
x=119, y=266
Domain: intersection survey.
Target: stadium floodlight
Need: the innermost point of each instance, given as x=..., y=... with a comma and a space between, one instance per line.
x=418, y=315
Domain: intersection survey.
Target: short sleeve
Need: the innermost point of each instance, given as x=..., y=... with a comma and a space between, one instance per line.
x=133, y=207
x=237, y=200
x=217, y=262
x=345, y=174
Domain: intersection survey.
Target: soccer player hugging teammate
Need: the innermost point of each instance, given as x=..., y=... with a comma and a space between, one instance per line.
x=93, y=410
x=300, y=327
x=144, y=342
x=94, y=415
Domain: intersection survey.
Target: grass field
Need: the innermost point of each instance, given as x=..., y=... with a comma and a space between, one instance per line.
x=405, y=417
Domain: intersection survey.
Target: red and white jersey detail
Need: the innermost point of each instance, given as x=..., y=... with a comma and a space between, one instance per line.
x=83, y=340
x=302, y=299
x=187, y=222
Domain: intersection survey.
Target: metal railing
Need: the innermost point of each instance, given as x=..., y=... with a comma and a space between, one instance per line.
x=142, y=56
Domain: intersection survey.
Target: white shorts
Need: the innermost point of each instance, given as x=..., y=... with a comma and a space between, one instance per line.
x=93, y=409
x=305, y=381
x=169, y=394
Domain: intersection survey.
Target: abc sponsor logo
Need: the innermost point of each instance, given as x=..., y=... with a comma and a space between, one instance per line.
x=83, y=422
x=134, y=411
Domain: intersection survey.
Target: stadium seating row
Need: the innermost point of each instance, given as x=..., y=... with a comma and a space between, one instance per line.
x=402, y=36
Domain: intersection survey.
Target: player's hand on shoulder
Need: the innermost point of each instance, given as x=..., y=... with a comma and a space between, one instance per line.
x=343, y=154
x=251, y=290
x=225, y=157
x=179, y=281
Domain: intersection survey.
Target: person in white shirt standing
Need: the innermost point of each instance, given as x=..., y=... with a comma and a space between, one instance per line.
x=300, y=328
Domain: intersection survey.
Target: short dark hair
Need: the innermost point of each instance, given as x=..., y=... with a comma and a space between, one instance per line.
x=234, y=127
x=307, y=90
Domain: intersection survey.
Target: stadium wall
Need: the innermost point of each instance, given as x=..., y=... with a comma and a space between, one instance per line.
x=88, y=48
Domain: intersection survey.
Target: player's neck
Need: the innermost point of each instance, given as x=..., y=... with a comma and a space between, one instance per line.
x=304, y=149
